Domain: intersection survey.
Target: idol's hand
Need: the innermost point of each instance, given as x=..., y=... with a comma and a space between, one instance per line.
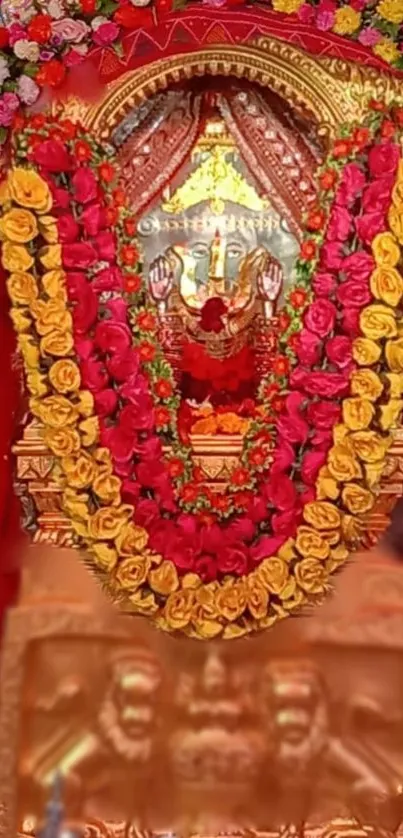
x=270, y=280
x=160, y=279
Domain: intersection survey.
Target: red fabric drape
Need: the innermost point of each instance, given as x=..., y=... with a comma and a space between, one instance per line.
x=9, y=505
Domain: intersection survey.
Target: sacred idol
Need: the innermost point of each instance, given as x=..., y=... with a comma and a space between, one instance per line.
x=201, y=245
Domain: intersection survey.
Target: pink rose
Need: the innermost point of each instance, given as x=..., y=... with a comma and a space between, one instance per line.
x=383, y=159
x=70, y=29
x=105, y=244
x=331, y=255
x=122, y=446
x=52, y=156
x=85, y=186
x=351, y=321
x=351, y=186
x=327, y=384
x=85, y=312
x=117, y=308
x=354, y=292
x=80, y=255
x=122, y=365
x=61, y=197
x=241, y=529
x=324, y=285
x=323, y=415
x=324, y=21
x=109, y=279
x=285, y=523
x=67, y=228
x=130, y=491
x=308, y=348
x=311, y=464
x=266, y=547
x=206, y=568
x=212, y=539
x=105, y=402
x=112, y=337
x=369, y=225
x=257, y=510
x=146, y=513
x=93, y=219
x=339, y=351
x=358, y=265
x=306, y=13
x=283, y=456
x=339, y=226
x=106, y=34
x=320, y=318
x=93, y=374
x=134, y=387
x=232, y=560
x=377, y=195
x=280, y=492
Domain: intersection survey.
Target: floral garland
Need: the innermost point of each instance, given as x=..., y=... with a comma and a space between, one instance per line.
x=41, y=46
x=73, y=286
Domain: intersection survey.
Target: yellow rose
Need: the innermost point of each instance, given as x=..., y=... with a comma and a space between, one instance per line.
x=133, y=572
x=80, y=470
x=105, y=556
x=89, y=430
x=395, y=219
x=358, y=413
x=22, y=288
x=75, y=504
x=144, y=602
x=54, y=284
x=357, y=499
x=387, y=285
x=36, y=384
x=48, y=228
x=205, y=629
x=178, y=609
x=342, y=464
x=16, y=258
x=385, y=249
x=62, y=442
x=322, y=515
x=378, y=321
x=131, y=539
x=19, y=226
x=366, y=384
x=57, y=343
x=164, y=579
x=311, y=576
x=287, y=550
x=273, y=574
x=310, y=543
x=191, y=580
x=288, y=7
x=64, y=376
x=390, y=414
x=373, y=473
x=29, y=351
x=205, y=602
x=107, y=488
x=326, y=486
x=388, y=51
x=85, y=403
x=5, y=196
x=257, y=596
x=339, y=554
x=51, y=316
x=346, y=20
x=391, y=10
x=369, y=446
x=351, y=527
x=51, y=256
x=366, y=352
x=55, y=411
x=106, y=523
x=231, y=599
x=28, y=189
x=394, y=354
x=395, y=382
x=21, y=319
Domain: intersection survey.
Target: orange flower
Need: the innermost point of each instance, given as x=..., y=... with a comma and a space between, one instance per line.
x=107, y=172
x=308, y=250
x=341, y=148
x=298, y=297
x=328, y=178
x=316, y=220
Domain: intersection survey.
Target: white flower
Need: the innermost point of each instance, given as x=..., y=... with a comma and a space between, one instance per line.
x=98, y=21
x=4, y=70
x=26, y=50
x=55, y=9
x=140, y=3
x=28, y=91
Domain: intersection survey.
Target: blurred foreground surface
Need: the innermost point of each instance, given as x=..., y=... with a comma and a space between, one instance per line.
x=299, y=726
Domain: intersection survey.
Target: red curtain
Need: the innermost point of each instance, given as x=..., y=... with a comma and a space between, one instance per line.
x=9, y=505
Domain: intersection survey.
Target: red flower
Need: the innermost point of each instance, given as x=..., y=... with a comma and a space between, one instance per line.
x=175, y=467
x=361, y=137
x=163, y=388
x=84, y=186
x=308, y=249
x=388, y=128
x=111, y=215
x=132, y=283
x=82, y=151
x=130, y=226
x=51, y=73
x=146, y=321
x=220, y=503
x=271, y=390
x=240, y=477
x=278, y=404
x=398, y=115
x=119, y=197
x=129, y=255
x=147, y=352
x=107, y=172
x=316, y=220
x=377, y=106
x=292, y=341
x=307, y=347
x=37, y=121
x=165, y=6
x=52, y=155
x=190, y=491
x=281, y=365
x=4, y=37
x=383, y=159
x=40, y=29
x=298, y=297
x=320, y=317
x=88, y=6
x=257, y=456
x=284, y=321
x=341, y=148
x=162, y=417
x=328, y=178
x=69, y=129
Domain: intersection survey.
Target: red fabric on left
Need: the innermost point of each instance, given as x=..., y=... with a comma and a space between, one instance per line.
x=10, y=533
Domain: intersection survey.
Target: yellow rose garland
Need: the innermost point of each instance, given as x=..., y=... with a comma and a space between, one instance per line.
x=137, y=578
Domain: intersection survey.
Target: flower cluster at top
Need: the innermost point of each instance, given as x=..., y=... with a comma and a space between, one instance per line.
x=377, y=25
